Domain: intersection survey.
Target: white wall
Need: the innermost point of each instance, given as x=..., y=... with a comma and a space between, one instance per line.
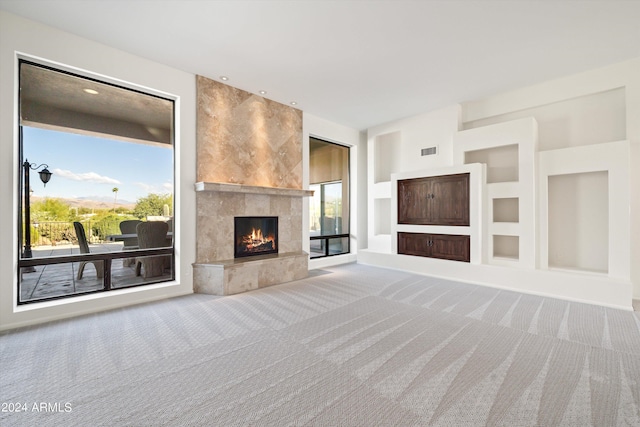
x=313, y=126
x=435, y=128
x=578, y=121
x=36, y=40
x=580, y=115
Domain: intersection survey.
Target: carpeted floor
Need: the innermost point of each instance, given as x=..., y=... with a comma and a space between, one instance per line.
x=349, y=346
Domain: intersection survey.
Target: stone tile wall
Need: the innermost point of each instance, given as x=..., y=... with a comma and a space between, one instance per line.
x=244, y=138
x=249, y=163
x=216, y=271
x=216, y=211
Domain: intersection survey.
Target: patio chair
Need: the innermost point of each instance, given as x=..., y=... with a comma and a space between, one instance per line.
x=152, y=234
x=129, y=227
x=170, y=238
x=84, y=249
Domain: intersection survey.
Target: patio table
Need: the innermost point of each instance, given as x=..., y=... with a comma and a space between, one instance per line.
x=123, y=237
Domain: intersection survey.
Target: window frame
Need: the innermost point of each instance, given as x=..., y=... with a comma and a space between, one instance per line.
x=106, y=257
x=347, y=235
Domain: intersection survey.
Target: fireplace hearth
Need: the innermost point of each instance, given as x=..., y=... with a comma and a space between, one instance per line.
x=255, y=235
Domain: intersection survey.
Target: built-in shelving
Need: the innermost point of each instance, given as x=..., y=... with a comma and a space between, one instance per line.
x=584, y=224
x=538, y=229
x=505, y=209
x=506, y=247
x=382, y=213
x=501, y=161
x=386, y=156
x=508, y=150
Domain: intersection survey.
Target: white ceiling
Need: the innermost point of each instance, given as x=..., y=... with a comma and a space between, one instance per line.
x=359, y=63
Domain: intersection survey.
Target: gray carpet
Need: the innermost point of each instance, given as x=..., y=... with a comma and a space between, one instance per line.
x=349, y=346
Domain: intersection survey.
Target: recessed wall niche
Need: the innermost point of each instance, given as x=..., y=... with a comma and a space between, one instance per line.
x=386, y=156
x=382, y=213
x=579, y=221
x=506, y=210
x=506, y=247
x=502, y=162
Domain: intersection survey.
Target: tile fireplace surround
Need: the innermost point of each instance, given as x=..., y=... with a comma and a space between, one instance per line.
x=216, y=271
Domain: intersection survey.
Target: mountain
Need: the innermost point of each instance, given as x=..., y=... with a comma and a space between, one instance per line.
x=105, y=199
x=91, y=202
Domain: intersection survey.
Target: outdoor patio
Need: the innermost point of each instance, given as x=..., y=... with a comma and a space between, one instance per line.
x=56, y=280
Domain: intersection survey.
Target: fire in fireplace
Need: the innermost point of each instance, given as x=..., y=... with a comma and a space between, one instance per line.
x=255, y=235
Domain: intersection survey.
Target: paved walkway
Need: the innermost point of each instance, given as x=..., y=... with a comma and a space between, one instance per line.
x=61, y=279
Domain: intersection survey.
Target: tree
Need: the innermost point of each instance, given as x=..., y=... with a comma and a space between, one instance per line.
x=103, y=224
x=152, y=205
x=50, y=210
x=115, y=198
x=50, y=220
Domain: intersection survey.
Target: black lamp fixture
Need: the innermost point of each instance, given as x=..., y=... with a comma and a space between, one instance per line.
x=45, y=176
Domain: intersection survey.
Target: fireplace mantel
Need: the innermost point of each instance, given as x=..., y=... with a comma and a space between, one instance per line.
x=251, y=189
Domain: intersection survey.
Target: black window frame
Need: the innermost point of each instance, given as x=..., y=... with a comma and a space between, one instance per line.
x=107, y=257
x=327, y=238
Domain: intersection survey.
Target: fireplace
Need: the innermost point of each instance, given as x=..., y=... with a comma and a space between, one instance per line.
x=255, y=235
x=217, y=270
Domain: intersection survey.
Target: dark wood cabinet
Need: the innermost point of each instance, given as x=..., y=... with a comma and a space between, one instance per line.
x=436, y=200
x=443, y=246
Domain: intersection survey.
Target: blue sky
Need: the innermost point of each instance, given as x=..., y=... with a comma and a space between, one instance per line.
x=90, y=167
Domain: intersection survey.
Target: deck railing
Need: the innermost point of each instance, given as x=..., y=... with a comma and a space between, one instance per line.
x=45, y=233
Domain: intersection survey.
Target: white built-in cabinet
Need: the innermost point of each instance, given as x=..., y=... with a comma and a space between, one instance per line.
x=508, y=151
x=384, y=158
x=550, y=189
x=571, y=182
x=544, y=204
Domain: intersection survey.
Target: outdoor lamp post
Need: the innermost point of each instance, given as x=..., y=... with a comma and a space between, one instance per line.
x=45, y=176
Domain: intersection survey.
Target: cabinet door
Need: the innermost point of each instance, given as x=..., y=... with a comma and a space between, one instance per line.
x=449, y=197
x=442, y=246
x=437, y=200
x=414, y=244
x=446, y=246
x=413, y=198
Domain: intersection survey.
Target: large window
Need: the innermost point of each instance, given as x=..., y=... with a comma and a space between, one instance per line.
x=96, y=188
x=329, y=206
